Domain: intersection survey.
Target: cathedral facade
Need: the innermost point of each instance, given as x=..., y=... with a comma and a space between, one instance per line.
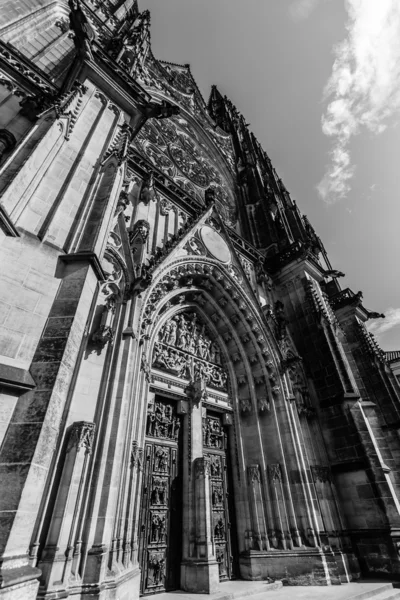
x=187, y=394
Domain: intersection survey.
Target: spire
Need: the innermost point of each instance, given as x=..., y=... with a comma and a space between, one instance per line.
x=216, y=107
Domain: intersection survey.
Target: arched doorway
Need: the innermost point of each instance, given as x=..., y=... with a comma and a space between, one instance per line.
x=269, y=511
x=161, y=515
x=186, y=446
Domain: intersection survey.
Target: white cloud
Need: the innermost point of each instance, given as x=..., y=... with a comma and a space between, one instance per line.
x=364, y=87
x=380, y=326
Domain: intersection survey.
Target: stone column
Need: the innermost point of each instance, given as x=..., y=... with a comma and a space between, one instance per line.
x=199, y=570
x=260, y=537
x=278, y=537
x=62, y=550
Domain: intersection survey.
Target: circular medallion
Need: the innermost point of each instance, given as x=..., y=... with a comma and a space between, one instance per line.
x=215, y=244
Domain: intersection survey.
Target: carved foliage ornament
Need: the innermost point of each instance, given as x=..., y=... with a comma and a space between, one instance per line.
x=275, y=473
x=254, y=474
x=81, y=436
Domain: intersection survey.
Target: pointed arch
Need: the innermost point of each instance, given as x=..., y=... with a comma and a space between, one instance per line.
x=247, y=342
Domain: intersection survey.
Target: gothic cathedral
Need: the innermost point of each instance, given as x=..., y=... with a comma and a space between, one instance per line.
x=188, y=396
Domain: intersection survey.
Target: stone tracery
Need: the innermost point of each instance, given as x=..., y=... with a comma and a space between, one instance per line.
x=172, y=147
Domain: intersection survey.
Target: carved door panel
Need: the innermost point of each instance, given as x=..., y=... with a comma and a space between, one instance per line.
x=159, y=548
x=214, y=443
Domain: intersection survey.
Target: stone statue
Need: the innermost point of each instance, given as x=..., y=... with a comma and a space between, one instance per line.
x=84, y=33
x=182, y=333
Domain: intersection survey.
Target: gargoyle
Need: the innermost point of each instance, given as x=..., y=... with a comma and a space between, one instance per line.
x=375, y=315
x=334, y=273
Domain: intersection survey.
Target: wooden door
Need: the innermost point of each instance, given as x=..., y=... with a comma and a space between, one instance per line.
x=161, y=515
x=215, y=446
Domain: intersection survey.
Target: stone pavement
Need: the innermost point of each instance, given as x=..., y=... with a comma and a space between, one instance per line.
x=236, y=590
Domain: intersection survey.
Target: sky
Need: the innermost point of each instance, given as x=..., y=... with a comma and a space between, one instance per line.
x=319, y=83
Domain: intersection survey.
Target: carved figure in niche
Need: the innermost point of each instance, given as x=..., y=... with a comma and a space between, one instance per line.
x=171, y=340
x=192, y=342
x=217, y=495
x=182, y=333
x=176, y=425
x=157, y=528
x=158, y=493
x=200, y=344
x=166, y=331
x=161, y=462
x=219, y=529
x=171, y=361
x=217, y=354
x=182, y=365
x=158, y=566
x=220, y=557
x=219, y=378
x=211, y=353
x=212, y=434
x=215, y=466
x=203, y=371
x=207, y=344
x=160, y=355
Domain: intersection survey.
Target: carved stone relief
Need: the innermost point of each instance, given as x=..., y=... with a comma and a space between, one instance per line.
x=213, y=434
x=163, y=421
x=185, y=348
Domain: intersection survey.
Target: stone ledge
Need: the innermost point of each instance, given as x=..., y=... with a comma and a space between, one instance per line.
x=16, y=576
x=89, y=257
x=16, y=378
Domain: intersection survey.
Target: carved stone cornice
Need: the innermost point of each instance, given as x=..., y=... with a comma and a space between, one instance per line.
x=254, y=474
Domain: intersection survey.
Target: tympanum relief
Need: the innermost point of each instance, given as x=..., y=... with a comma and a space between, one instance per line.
x=185, y=348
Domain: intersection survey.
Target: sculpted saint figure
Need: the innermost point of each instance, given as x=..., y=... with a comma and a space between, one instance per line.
x=182, y=333
x=165, y=332
x=191, y=346
x=171, y=340
x=206, y=351
x=217, y=355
